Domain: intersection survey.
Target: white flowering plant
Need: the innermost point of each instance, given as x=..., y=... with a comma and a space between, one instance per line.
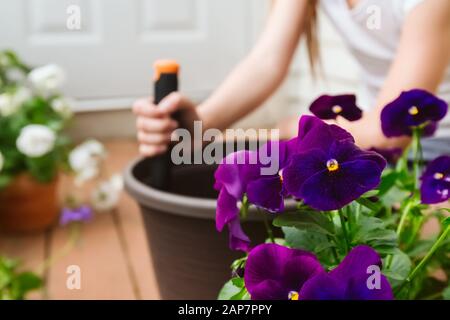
x=33, y=116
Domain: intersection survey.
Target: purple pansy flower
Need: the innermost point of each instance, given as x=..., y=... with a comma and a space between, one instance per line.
x=241, y=173
x=436, y=181
x=350, y=280
x=330, y=107
x=415, y=108
x=83, y=213
x=391, y=155
x=328, y=171
x=274, y=272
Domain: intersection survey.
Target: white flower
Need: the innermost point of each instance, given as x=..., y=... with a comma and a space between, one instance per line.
x=10, y=103
x=36, y=140
x=63, y=107
x=117, y=181
x=47, y=79
x=2, y=161
x=85, y=160
x=107, y=194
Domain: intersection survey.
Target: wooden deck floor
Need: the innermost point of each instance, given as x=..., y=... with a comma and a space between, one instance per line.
x=112, y=251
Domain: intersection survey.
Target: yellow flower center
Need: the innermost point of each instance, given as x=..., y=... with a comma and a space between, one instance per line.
x=293, y=295
x=439, y=176
x=336, y=109
x=332, y=165
x=413, y=110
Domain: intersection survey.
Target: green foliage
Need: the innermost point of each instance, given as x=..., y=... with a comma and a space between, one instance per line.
x=305, y=220
x=234, y=290
x=35, y=109
x=15, y=285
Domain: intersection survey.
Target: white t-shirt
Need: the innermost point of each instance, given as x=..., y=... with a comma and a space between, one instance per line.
x=375, y=45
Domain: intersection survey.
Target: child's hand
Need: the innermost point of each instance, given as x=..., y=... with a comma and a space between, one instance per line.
x=155, y=124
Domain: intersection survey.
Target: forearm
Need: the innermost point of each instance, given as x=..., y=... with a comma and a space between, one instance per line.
x=247, y=87
x=422, y=58
x=264, y=69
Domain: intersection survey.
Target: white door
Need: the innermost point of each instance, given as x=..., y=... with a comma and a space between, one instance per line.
x=109, y=58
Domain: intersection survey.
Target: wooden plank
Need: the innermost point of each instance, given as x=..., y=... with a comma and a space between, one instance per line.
x=130, y=226
x=98, y=253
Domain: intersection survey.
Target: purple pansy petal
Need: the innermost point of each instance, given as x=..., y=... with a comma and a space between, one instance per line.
x=349, y=280
x=440, y=164
x=266, y=193
x=430, y=129
x=323, y=287
x=434, y=191
x=356, y=263
x=327, y=191
x=347, y=151
x=358, y=289
x=276, y=153
x=227, y=209
x=235, y=171
x=353, y=270
x=238, y=239
x=301, y=168
x=273, y=271
x=392, y=155
x=314, y=133
x=435, y=186
x=398, y=120
x=330, y=107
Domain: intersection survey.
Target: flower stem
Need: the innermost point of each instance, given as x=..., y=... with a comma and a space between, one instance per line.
x=425, y=260
x=417, y=155
x=405, y=213
x=268, y=228
x=344, y=230
x=74, y=235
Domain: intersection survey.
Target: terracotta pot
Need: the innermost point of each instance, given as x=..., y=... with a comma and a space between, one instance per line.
x=27, y=206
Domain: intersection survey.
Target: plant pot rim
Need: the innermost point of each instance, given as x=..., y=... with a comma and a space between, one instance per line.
x=187, y=206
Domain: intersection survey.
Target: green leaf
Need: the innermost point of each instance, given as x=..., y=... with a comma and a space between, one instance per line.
x=370, y=194
x=399, y=268
x=317, y=243
x=373, y=206
x=302, y=239
x=306, y=220
x=388, y=180
x=373, y=232
x=14, y=285
x=446, y=294
x=446, y=222
x=28, y=281
x=233, y=290
x=395, y=196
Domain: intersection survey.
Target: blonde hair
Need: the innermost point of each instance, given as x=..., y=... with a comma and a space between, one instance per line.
x=311, y=30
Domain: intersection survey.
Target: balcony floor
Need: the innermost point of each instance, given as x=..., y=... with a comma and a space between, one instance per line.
x=112, y=251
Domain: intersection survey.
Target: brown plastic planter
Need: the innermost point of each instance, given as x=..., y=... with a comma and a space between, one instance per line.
x=191, y=259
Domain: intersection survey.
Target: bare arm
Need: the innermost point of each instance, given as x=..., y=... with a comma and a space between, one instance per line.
x=262, y=71
x=251, y=82
x=421, y=61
